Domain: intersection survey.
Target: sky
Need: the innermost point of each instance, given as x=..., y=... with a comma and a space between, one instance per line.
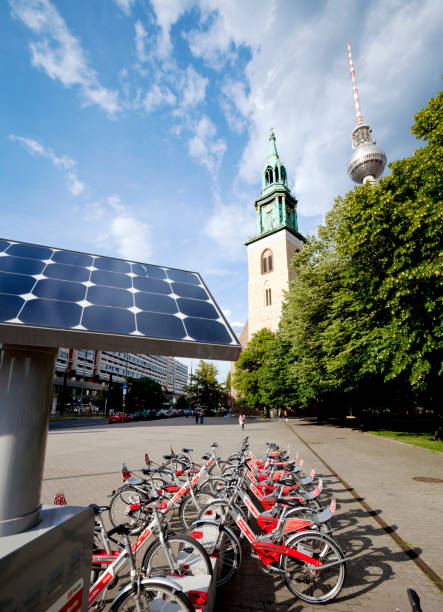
x=139, y=128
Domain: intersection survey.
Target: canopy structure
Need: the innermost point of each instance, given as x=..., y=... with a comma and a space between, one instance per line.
x=51, y=297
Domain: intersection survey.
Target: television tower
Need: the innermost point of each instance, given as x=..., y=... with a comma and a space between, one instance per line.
x=368, y=160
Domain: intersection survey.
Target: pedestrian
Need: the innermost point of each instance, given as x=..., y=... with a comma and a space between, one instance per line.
x=279, y=414
x=286, y=415
x=186, y=412
x=241, y=420
x=202, y=415
x=196, y=416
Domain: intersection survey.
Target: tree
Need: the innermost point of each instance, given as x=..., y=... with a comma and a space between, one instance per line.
x=363, y=314
x=248, y=367
x=115, y=397
x=276, y=385
x=144, y=393
x=204, y=389
x=391, y=239
x=182, y=403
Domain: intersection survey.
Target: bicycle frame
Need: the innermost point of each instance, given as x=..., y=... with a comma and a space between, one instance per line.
x=269, y=552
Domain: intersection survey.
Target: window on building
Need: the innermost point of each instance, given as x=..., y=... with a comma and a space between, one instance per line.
x=266, y=262
x=268, y=298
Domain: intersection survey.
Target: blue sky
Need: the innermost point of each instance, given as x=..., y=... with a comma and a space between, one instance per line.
x=138, y=129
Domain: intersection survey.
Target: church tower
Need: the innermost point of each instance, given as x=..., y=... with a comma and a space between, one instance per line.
x=272, y=248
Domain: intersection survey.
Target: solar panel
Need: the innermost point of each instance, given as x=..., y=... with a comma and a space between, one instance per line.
x=52, y=297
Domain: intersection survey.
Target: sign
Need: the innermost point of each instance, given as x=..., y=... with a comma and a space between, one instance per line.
x=125, y=386
x=71, y=600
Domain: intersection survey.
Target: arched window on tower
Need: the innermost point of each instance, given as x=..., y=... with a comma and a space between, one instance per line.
x=276, y=174
x=268, y=296
x=266, y=262
x=269, y=175
x=283, y=174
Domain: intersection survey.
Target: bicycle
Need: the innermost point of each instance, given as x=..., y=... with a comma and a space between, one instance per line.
x=125, y=505
x=168, y=555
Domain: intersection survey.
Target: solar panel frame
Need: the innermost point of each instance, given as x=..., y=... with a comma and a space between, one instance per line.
x=53, y=278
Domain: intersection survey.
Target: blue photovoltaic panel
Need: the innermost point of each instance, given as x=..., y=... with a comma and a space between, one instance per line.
x=62, y=298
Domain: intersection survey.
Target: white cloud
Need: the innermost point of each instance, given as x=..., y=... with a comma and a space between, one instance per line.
x=125, y=6
x=228, y=226
x=157, y=97
x=75, y=186
x=60, y=54
x=131, y=237
x=205, y=147
x=141, y=39
x=194, y=88
x=228, y=314
x=167, y=13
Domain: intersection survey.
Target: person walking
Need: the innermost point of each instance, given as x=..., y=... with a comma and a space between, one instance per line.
x=202, y=416
x=285, y=414
x=241, y=420
x=196, y=416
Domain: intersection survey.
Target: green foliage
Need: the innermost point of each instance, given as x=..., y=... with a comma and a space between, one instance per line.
x=248, y=368
x=181, y=403
x=115, y=397
x=204, y=389
x=228, y=383
x=277, y=388
x=144, y=393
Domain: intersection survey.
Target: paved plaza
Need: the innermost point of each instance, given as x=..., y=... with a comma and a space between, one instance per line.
x=85, y=463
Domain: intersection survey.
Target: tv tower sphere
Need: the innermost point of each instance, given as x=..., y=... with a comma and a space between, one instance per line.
x=368, y=160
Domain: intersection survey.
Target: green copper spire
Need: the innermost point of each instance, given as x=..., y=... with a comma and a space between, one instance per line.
x=276, y=207
x=273, y=155
x=274, y=172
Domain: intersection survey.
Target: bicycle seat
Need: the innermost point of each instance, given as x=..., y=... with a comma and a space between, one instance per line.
x=121, y=529
x=98, y=509
x=154, y=470
x=187, y=450
x=214, y=445
x=167, y=457
x=206, y=457
x=294, y=502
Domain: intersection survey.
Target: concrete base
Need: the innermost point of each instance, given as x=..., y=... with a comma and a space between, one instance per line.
x=47, y=568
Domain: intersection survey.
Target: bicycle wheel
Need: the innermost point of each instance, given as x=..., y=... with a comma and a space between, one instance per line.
x=120, y=506
x=153, y=596
x=220, y=542
x=305, y=581
x=190, y=508
x=214, y=485
x=186, y=554
x=217, y=467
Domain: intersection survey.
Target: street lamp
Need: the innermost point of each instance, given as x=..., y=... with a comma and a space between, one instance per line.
x=125, y=387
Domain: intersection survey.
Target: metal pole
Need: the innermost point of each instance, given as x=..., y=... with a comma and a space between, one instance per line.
x=26, y=380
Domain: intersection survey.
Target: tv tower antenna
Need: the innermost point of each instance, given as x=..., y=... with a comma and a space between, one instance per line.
x=368, y=160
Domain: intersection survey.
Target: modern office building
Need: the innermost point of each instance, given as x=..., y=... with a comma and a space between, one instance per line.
x=87, y=374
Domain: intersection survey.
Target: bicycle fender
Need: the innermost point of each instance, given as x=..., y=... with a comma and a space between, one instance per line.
x=164, y=581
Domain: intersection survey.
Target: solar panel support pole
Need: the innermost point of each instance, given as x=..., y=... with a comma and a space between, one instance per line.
x=26, y=382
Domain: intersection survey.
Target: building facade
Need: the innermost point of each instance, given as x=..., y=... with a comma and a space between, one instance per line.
x=87, y=374
x=271, y=249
